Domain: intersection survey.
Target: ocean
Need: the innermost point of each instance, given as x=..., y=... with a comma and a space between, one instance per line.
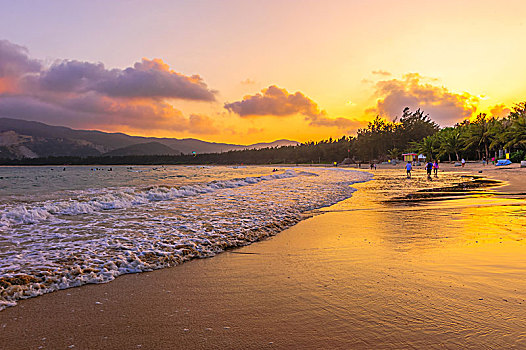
x=63, y=227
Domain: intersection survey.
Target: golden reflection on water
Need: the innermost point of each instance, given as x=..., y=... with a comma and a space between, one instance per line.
x=439, y=274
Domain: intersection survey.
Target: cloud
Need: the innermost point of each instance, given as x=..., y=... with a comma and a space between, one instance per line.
x=72, y=76
x=85, y=94
x=251, y=131
x=153, y=78
x=341, y=123
x=414, y=91
x=14, y=60
x=146, y=79
x=499, y=111
x=274, y=101
x=14, y=63
x=381, y=72
x=103, y=112
x=278, y=102
x=248, y=81
x=202, y=124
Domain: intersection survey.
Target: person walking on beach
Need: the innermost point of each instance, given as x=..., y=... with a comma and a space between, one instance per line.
x=429, y=167
x=408, y=168
x=435, y=168
x=463, y=161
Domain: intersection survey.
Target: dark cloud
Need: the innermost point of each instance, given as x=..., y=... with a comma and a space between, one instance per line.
x=102, y=112
x=69, y=76
x=278, y=102
x=14, y=60
x=413, y=91
x=30, y=108
x=153, y=78
x=146, y=79
x=84, y=94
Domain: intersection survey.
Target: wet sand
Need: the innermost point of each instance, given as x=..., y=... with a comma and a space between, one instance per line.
x=368, y=273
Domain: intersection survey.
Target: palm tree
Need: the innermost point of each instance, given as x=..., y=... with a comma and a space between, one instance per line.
x=450, y=142
x=393, y=153
x=516, y=133
x=428, y=146
x=479, y=134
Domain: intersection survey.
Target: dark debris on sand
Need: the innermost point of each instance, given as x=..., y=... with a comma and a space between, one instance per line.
x=461, y=189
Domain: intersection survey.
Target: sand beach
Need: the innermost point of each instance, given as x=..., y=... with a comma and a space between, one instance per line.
x=445, y=271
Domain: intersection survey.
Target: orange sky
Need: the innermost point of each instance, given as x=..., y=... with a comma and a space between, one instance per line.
x=334, y=64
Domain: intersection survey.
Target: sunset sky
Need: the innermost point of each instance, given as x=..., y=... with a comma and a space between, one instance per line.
x=256, y=71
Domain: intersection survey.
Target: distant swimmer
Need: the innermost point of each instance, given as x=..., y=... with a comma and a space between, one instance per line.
x=408, y=168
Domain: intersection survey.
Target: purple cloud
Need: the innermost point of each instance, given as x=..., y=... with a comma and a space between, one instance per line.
x=14, y=60
x=68, y=76
x=84, y=94
x=275, y=101
x=154, y=79
x=146, y=79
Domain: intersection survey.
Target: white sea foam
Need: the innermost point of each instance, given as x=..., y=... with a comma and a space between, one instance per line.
x=119, y=199
x=95, y=235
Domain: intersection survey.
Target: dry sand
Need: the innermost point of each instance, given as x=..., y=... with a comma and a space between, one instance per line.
x=365, y=274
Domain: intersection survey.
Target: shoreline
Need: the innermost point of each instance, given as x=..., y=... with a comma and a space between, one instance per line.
x=22, y=286
x=158, y=309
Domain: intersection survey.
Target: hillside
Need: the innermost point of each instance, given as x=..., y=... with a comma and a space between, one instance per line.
x=144, y=149
x=30, y=139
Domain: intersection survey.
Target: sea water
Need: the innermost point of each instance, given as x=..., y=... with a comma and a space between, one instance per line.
x=63, y=227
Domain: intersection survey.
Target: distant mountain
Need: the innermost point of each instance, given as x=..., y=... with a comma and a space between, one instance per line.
x=144, y=149
x=30, y=139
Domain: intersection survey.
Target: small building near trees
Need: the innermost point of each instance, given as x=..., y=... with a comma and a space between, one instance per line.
x=410, y=157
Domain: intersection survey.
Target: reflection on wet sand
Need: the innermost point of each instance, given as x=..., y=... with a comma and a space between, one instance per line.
x=415, y=273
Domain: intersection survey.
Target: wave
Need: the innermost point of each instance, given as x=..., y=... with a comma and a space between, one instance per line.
x=64, y=249
x=121, y=199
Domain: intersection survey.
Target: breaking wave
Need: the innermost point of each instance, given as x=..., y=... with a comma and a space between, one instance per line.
x=93, y=236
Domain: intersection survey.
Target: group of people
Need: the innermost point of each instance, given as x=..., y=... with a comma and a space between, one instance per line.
x=431, y=167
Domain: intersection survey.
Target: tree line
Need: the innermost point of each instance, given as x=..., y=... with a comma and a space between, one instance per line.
x=480, y=138
x=380, y=140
